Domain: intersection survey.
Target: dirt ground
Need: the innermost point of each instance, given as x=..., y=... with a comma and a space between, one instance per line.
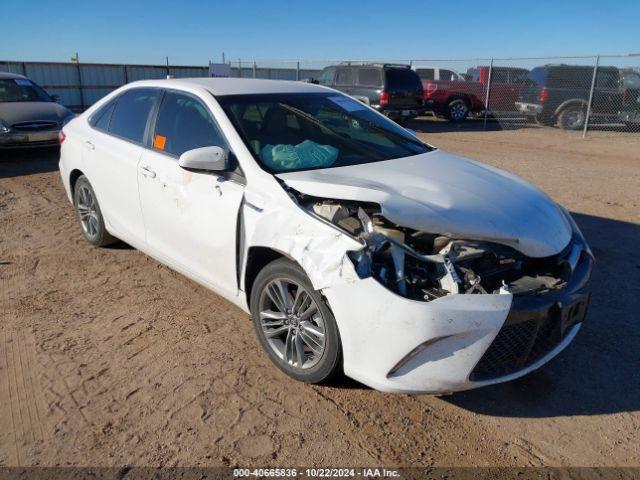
x=109, y=358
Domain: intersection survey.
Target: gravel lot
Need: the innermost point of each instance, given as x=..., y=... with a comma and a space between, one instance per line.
x=109, y=358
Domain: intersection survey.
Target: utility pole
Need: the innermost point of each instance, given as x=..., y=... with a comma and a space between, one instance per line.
x=76, y=59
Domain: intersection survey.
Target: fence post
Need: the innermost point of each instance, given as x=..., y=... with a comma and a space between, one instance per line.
x=239, y=68
x=593, y=86
x=24, y=69
x=255, y=70
x=126, y=75
x=487, y=94
x=297, y=71
x=80, y=85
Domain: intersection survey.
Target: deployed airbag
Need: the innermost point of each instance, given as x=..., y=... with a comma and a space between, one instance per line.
x=307, y=154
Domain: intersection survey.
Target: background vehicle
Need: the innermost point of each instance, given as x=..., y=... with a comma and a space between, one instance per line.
x=560, y=94
x=437, y=73
x=456, y=99
x=393, y=90
x=630, y=110
x=29, y=117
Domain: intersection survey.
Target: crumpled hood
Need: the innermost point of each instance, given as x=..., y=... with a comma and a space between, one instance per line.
x=438, y=192
x=15, y=112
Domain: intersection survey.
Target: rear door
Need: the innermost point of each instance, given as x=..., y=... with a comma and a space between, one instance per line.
x=608, y=92
x=111, y=157
x=404, y=88
x=190, y=216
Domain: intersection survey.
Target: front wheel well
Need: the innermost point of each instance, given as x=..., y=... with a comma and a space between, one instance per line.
x=257, y=259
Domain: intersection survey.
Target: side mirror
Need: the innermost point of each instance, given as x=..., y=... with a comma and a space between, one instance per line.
x=55, y=97
x=214, y=159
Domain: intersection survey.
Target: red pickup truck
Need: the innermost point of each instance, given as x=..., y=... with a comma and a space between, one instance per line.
x=455, y=99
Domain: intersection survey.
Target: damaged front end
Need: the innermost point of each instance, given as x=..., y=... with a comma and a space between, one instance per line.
x=425, y=266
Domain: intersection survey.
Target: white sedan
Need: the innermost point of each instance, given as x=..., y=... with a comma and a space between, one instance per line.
x=354, y=246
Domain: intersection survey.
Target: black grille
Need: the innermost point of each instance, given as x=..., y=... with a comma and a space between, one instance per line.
x=515, y=347
x=34, y=126
x=526, y=337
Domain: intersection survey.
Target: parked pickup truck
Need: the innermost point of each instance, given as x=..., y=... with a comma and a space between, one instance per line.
x=456, y=99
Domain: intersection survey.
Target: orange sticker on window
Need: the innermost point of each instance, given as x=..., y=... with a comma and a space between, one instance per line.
x=159, y=141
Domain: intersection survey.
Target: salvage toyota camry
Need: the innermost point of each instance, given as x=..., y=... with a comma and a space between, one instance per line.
x=353, y=245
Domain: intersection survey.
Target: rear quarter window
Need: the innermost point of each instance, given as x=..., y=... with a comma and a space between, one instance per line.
x=370, y=77
x=579, y=78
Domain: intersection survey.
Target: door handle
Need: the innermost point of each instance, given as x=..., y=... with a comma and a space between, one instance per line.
x=147, y=172
x=89, y=145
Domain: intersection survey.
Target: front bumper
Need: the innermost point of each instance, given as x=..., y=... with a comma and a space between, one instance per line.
x=12, y=139
x=529, y=108
x=456, y=342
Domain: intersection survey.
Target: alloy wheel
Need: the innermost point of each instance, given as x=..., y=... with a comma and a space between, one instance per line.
x=88, y=211
x=292, y=323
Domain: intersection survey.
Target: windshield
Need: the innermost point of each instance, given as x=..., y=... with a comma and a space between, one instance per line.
x=304, y=131
x=21, y=90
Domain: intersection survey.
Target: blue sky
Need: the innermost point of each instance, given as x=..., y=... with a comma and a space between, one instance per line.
x=192, y=32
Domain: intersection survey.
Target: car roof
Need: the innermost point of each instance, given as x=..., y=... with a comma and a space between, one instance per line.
x=235, y=86
x=10, y=75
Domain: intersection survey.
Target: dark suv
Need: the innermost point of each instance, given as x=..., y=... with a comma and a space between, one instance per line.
x=560, y=94
x=393, y=90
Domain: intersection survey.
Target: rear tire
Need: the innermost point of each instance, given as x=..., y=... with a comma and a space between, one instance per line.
x=457, y=110
x=294, y=324
x=89, y=214
x=572, y=117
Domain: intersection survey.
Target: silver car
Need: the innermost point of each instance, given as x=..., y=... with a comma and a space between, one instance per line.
x=29, y=116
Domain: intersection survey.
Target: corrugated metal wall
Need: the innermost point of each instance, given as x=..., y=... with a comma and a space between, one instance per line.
x=81, y=85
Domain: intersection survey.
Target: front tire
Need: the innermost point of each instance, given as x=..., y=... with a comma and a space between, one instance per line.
x=294, y=324
x=89, y=214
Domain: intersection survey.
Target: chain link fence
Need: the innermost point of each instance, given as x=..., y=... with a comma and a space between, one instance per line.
x=581, y=95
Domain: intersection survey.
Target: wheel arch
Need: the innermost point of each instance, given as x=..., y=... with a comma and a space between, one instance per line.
x=74, y=175
x=569, y=103
x=257, y=258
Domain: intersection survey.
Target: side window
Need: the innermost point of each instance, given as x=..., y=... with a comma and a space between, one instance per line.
x=103, y=117
x=184, y=124
x=129, y=119
x=517, y=76
x=326, y=76
x=447, y=75
x=500, y=76
x=426, y=73
x=370, y=77
x=345, y=76
x=607, y=79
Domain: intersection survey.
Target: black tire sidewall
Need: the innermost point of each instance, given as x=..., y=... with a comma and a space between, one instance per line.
x=103, y=237
x=456, y=101
x=563, y=118
x=330, y=362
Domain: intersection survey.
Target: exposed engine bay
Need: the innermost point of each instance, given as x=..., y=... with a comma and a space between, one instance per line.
x=425, y=266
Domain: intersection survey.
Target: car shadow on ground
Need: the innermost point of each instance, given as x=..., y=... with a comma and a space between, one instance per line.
x=599, y=372
x=16, y=163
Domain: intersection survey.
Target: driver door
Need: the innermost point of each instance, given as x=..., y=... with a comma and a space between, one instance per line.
x=190, y=217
